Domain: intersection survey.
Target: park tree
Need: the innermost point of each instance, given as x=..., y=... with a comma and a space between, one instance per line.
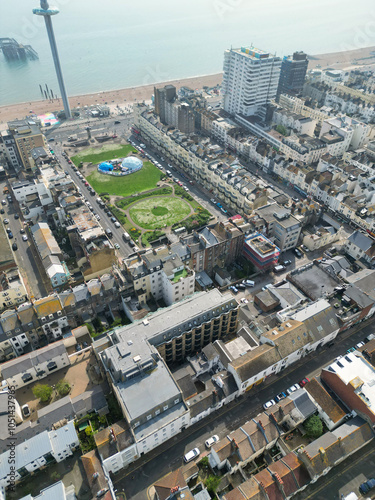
x=63, y=388
x=314, y=427
x=43, y=392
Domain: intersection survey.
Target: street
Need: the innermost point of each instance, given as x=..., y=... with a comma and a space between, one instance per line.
x=26, y=256
x=168, y=456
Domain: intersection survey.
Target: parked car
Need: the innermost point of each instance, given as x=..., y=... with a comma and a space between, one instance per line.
x=279, y=397
x=16, y=216
x=10, y=235
x=304, y=382
x=360, y=344
x=14, y=247
x=191, y=455
x=78, y=349
x=26, y=410
x=2, y=211
x=287, y=262
x=269, y=403
x=24, y=237
x=297, y=252
x=117, y=224
x=22, y=231
x=234, y=289
x=241, y=286
x=117, y=246
x=113, y=219
x=101, y=492
x=6, y=221
x=293, y=388
x=248, y=283
x=3, y=202
x=211, y=441
x=367, y=486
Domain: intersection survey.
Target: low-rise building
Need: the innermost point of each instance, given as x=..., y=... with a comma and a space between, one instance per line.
x=329, y=411
x=352, y=379
x=35, y=366
x=261, y=252
x=37, y=452
x=321, y=236
x=360, y=246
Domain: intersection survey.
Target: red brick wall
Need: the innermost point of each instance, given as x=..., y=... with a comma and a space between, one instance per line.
x=346, y=394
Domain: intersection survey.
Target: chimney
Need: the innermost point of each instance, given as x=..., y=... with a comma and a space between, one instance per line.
x=307, y=454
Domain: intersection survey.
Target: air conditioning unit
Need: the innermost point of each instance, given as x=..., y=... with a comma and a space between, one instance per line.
x=50, y=316
x=43, y=319
x=59, y=313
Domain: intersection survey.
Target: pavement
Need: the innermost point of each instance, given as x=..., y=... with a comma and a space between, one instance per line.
x=138, y=477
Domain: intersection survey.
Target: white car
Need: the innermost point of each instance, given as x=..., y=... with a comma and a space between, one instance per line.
x=97, y=216
x=293, y=388
x=211, y=441
x=360, y=344
x=117, y=246
x=244, y=301
x=117, y=224
x=25, y=410
x=24, y=237
x=191, y=455
x=269, y=404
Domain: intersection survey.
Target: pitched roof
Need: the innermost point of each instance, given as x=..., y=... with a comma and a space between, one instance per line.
x=360, y=240
x=165, y=484
x=324, y=400
x=255, y=361
x=303, y=403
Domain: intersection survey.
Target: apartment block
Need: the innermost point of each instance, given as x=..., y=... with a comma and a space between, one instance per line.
x=27, y=136
x=292, y=74
x=250, y=81
x=160, y=274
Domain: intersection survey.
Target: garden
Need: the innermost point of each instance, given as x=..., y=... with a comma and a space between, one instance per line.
x=105, y=152
x=153, y=213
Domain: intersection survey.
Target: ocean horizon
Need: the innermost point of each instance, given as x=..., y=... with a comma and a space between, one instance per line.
x=113, y=45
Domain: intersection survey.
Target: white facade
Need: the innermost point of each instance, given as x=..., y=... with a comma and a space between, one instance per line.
x=37, y=452
x=121, y=459
x=353, y=131
x=250, y=81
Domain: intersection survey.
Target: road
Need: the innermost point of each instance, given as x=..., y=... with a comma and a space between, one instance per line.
x=168, y=456
x=105, y=221
x=26, y=256
x=344, y=478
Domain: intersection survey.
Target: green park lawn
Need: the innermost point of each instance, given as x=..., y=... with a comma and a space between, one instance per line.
x=103, y=153
x=157, y=212
x=143, y=180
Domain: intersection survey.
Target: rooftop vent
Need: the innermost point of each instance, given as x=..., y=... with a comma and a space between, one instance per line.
x=137, y=359
x=130, y=342
x=145, y=322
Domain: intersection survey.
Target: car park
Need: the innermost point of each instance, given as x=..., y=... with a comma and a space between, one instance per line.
x=269, y=403
x=293, y=388
x=26, y=410
x=211, y=441
x=304, y=382
x=191, y=455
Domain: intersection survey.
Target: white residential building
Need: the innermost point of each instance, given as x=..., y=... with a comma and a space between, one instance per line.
x=37, y=452
x=250, y=81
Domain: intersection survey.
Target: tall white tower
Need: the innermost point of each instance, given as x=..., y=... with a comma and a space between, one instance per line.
x=250, y=81
x=47, y=12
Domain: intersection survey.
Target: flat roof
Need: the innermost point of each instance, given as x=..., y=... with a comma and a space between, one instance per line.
x=313, y=281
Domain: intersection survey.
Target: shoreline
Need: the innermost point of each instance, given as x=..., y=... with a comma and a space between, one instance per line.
x=357, y=58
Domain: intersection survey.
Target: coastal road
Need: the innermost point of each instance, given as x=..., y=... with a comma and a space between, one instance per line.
x=168, y=456
x=26, y=256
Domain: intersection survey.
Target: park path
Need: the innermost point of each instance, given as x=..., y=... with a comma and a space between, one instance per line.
x=126, y=211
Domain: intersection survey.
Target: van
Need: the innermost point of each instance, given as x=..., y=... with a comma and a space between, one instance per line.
x=169, y=173
x=108, y=232
x=279, y=268
x=248, y=283
x=126, y=236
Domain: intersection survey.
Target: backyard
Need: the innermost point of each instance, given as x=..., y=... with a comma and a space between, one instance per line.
x=143, y=180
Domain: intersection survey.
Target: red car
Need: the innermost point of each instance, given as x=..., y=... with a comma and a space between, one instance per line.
x=304, y=382
x=86, y=183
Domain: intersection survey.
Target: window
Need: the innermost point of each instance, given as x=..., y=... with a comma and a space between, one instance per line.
x=149, y=417
x=157, y=412
x=176, y=401
x=165, y=407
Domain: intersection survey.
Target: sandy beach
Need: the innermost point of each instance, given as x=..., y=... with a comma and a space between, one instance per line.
x=359, y=58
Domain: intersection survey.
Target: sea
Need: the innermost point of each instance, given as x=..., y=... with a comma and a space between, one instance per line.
x=114, y=44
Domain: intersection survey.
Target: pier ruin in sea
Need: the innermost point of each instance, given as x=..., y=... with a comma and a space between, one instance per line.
x=14, y=51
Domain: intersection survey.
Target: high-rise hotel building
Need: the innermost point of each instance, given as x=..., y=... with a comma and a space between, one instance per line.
x=250, y=81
